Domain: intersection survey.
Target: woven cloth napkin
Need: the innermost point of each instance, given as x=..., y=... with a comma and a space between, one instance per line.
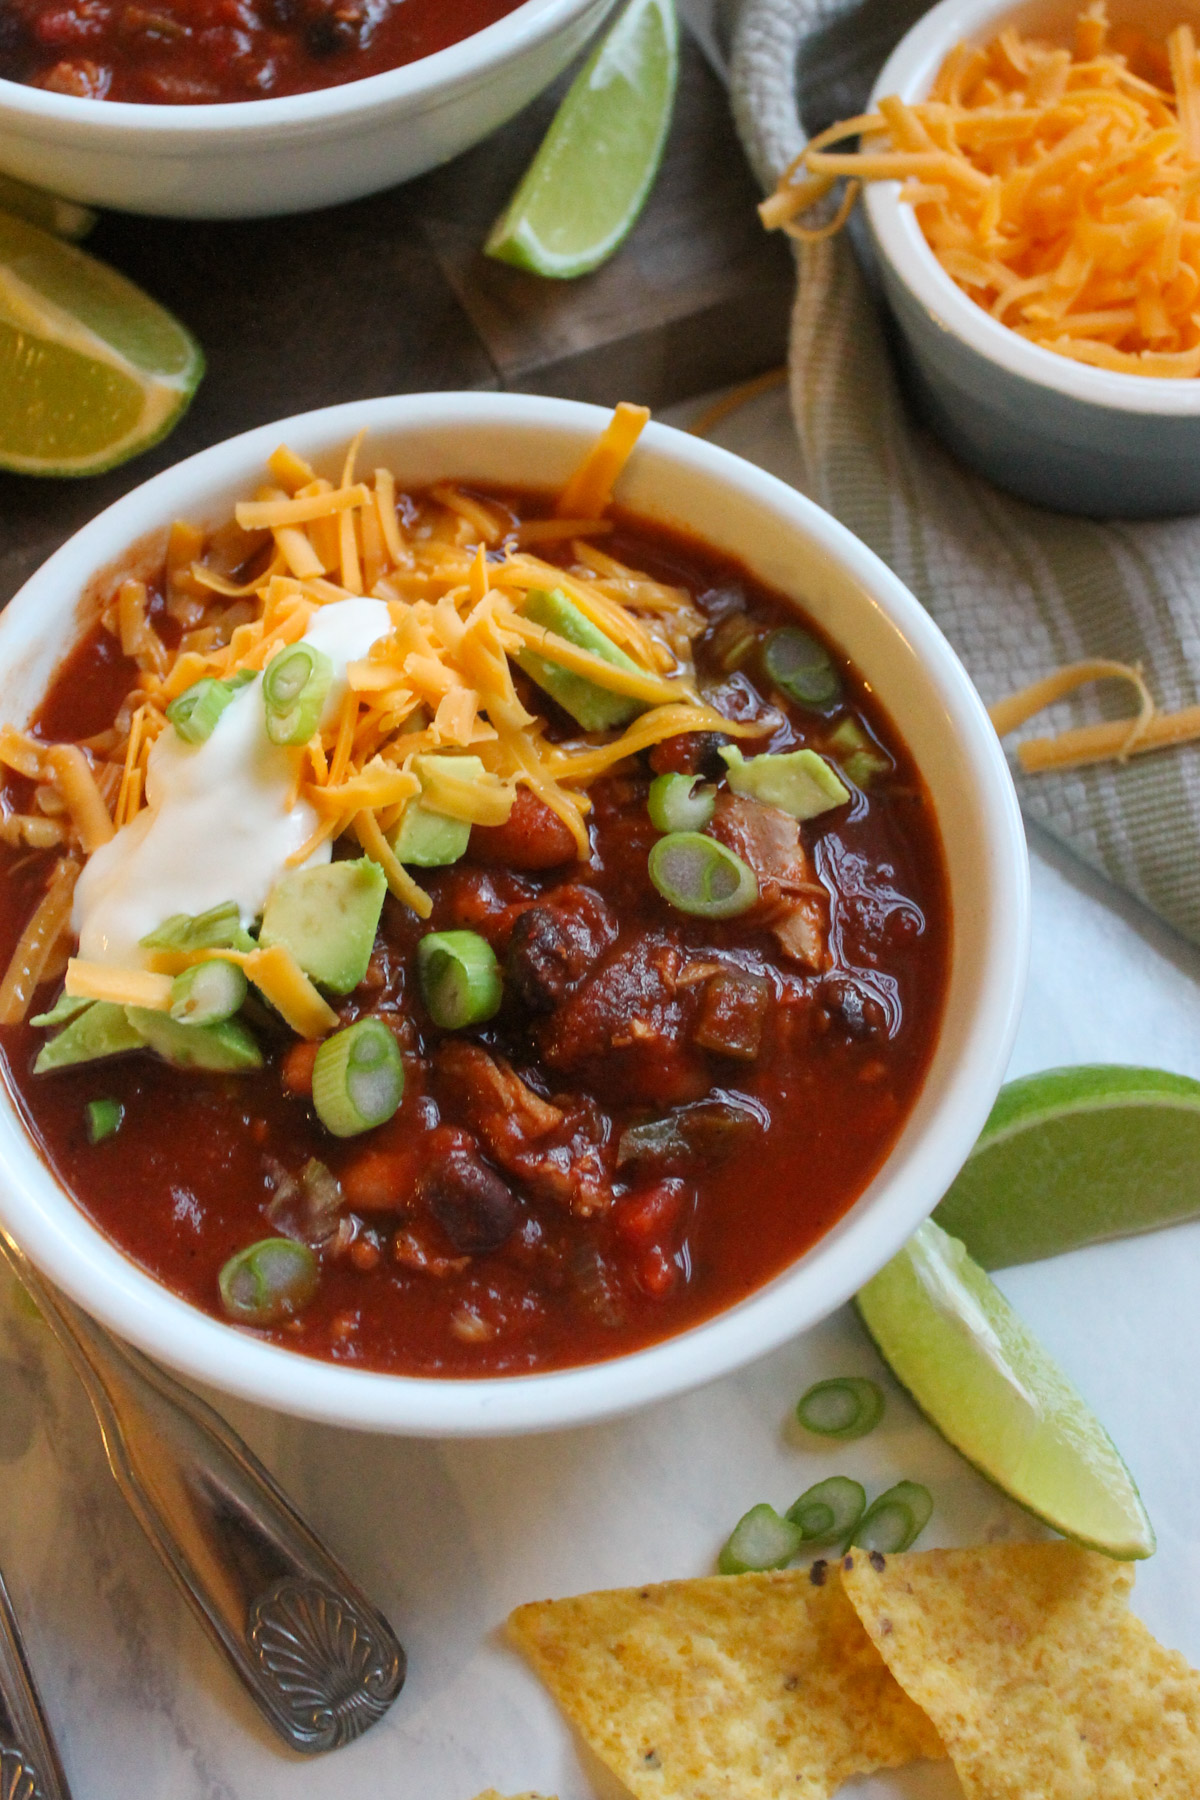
x=1017, y=590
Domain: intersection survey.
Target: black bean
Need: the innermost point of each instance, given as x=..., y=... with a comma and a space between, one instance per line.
x=473, y=1206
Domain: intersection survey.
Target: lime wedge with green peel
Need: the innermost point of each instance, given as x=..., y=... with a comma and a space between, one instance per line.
x=584, y=189
x=92, y=370
x=982, y=1378
x=1074, y=1156
x=65, y=218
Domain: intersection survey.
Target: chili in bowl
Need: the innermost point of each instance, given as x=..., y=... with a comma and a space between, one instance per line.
x=486, y=947
x=247, y=108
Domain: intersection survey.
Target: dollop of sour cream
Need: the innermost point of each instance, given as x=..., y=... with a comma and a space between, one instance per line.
x=216, y=825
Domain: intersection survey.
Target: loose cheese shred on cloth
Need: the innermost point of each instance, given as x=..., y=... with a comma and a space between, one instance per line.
x=1115, y=740
x=453, y=571
x=1059, y=187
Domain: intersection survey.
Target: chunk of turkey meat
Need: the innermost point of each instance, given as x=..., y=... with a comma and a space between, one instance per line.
x=792, y=904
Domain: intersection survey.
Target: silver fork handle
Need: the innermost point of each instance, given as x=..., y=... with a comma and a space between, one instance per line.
x=320, y=1662
x=29, y=1765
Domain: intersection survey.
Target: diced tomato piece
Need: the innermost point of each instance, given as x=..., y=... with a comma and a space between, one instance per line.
x=649, y=1212
x=296, y=1069
x=532, y=837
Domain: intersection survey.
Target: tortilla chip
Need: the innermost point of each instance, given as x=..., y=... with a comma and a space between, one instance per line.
x=1041, y=1682
x=754, y=1686
x=491, y=1794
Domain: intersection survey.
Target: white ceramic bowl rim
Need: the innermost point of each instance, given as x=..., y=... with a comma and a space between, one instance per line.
x=909, y=72
x=95, y=1273
x=469, y=60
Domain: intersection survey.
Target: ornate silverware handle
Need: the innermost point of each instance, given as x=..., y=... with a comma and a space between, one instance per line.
x=321, y=1663
x=29, y=1765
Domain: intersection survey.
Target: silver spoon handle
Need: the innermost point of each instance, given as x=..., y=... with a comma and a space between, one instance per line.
x=29, y=1765
x=321, y=1663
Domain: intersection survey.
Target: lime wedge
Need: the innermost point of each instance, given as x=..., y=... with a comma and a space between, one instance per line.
x=91, y=369
x=982, y=1378
x=583, y=191
x=63, y=217
x=1073, y=1156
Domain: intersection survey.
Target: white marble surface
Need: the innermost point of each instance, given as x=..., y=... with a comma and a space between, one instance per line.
x=449, y=1537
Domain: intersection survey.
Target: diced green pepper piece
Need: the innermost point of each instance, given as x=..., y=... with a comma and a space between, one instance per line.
x=103, y=1119
x=227, y=1047
x=327, y=917
x=798, y=782
x=104, y=1029
x=594, y=707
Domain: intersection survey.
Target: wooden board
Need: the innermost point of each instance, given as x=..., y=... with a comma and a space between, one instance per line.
x=391, y=295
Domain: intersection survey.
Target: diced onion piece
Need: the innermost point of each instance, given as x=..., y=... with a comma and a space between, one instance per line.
x=698, y=875
x=207, y=993
x=295, y=685
x=845, y=1407
x=828, y=1512
x=678, y=803
x=268, y=1282
x=760, y=1540
x=895, y=1520
x=358, y=1078
x=460, y=978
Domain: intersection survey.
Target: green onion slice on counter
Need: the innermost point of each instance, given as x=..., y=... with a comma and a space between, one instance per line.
x=207, y=993
x=799, y=664
x=194, y=712
x=760, y=1540
x=830, y=1511
x=294, y=688
x=460, y=978
x=698, y=875
x=895, y=1520
x=268, y=1282
x=103, y=1119
x=680, y=803
x=358, y=1078
x=847, y=1407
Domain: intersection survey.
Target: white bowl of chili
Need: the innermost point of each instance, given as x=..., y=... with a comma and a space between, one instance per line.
x=1081, y=439
x=922, y=707
x=251, y=158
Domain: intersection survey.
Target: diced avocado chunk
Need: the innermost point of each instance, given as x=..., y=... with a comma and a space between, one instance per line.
x=430, y=839
x=327, y=918
x=593, y=707
x=67, y=1006
x=227, y=1047
x=102, y=1029
x=220, y=928
x=858, y=755
x=798, y=782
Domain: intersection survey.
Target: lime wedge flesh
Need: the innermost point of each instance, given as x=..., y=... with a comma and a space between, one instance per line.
x=982, y=1378
x=583, y=191
x=65, y=218
x=1074, y=1156
x=92, y=370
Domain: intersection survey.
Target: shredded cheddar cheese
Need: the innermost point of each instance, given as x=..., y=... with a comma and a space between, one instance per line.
x=1059, y=187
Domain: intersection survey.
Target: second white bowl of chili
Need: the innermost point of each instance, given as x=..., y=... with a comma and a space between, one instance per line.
x=681, y=1140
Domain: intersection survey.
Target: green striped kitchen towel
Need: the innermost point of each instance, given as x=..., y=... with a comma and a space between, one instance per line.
x=1018, y=591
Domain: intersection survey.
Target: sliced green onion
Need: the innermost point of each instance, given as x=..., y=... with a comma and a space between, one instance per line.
x=358, y=1078
x=678, y=803
x=207, y=993
x=194, y=712
x=829, y=1512
x=796, y=662
x=220, y=928
x=699, y=875
x=294, y=689
x=103, y=1119
x=847, y=1407
x=895, y=1520
x=460, y=978
x=760, y=1540
x=268, y=1282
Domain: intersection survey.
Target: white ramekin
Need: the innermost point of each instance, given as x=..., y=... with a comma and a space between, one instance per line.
x=252, y=158
x=789, y=543
x=1054, y=431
